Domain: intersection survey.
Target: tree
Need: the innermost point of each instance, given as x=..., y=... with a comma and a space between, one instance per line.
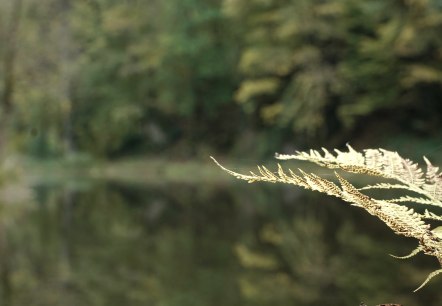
x=314, y=69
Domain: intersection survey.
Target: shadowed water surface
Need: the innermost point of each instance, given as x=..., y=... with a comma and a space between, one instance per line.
x=109, y=243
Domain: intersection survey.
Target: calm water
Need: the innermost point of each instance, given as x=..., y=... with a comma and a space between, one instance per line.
x=107, y=243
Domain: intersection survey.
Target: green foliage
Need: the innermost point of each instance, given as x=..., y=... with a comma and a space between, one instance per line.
x=341, y=59
x=112, y=70
x=110, y=77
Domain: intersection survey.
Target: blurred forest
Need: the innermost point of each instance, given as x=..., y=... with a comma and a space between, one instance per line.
x=185, y=77
x=172, y=82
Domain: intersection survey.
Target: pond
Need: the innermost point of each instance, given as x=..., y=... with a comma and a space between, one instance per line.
x=95, y=242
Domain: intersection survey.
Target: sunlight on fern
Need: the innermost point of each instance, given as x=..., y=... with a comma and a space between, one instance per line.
x=408, y=176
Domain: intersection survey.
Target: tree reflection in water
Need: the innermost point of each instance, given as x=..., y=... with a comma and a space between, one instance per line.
x=106, y=243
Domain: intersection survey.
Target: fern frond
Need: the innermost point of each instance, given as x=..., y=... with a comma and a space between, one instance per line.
x=249, y=178
x=377, y=162
x=412, y=254
x=412, y=200
x=431, y=216
x=305, y=180
x=429, y=277
x=381, y=163
x=385, y=186
x=402, y=220
x=432, y=173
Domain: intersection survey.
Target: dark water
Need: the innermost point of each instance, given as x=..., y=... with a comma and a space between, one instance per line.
x=107, y=243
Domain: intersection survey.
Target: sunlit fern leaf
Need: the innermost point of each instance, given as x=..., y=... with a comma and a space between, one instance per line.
x=385, y=186
x=430, y=276
x=413, y=200
x=431, y=216
x=432, y=171
x=402, y=220
x=376, y=162
x=434, y=180
x=306, y=180
x=412, y=254
x=382, y=163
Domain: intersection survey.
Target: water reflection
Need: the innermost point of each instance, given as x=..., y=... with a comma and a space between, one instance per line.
x=106, y=243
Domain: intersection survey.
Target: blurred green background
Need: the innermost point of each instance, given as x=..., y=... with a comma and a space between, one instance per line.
x=108, y=113
x=182, y=78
